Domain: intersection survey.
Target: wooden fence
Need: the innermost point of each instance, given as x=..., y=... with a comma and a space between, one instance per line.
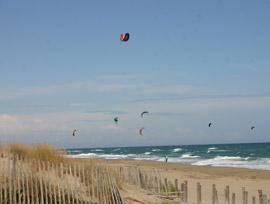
x=154, y=182
x=24, y=181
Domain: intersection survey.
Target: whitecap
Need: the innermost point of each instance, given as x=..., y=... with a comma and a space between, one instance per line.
x=177, y=150
x=99, y=150
x=188, y=156
x=211, y=148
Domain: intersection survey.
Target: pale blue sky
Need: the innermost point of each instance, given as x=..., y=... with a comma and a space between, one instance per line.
x=63, y=67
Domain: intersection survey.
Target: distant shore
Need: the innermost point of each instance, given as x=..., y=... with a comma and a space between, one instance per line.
x=236, y=178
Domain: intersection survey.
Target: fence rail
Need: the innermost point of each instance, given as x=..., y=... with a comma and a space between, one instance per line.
x=25, y=181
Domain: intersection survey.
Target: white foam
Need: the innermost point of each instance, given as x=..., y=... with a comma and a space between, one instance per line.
x=147, y=153
x=189, y=156
x=99, y=150
x=88, y=155
x=177, y=150
x=241, y=162
x=211, y=148
x=217, y=150
x=156, y=150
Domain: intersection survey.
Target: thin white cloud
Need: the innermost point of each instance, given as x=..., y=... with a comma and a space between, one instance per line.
x=82, y=104
x=11, y=124
x=111, y=128
x=171, y=89
x=118, y=77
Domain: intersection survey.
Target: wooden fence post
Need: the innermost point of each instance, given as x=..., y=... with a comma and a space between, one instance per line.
x=19, y=184
x=27, y=181
x=199, y=193
x=23, y=180
x=166, y=186
x=72, y=191
x=40, y=183
x=260, y=196
x=45, y=181
x=186, y=190
x=67, y=183
x=93, y=184
x=88, y=184
x=79, y=171
x=233, y=198
x=182, y=192
x=9, y=180
x=58, y=185
x=213, y=193
x=36, y=181
x=49, y=184
x=1, y=198
x=169, y=188
x=253, y=200
x=32, y=196
x=54, y=185
x=156, y=184
x=227, y=195
x=76, y=191
x=5, y=184
x=62, y=183
x=176, y=186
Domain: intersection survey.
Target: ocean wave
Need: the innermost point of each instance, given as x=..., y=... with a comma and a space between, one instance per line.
x=239, y=162
x=156, y=150
x=211, y=148
x=99, y=150
x=217, y=150
x=177, y=150
x=189, y=156
x=75, y=151
x=84, y=155
x=147, y=153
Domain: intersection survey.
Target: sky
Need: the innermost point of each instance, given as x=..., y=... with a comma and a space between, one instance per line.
x=187, y=62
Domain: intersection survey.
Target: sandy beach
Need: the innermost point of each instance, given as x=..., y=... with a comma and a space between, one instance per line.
x=235, y=178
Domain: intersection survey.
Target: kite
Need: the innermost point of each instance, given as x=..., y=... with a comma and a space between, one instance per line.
x=116, y=120
x=73, y=133
x=124, y=37
x=140, y=131
x=209, y=124
x=144, y=113
x=252, y=127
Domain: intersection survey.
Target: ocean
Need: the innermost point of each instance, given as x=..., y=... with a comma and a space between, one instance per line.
x=252, y=156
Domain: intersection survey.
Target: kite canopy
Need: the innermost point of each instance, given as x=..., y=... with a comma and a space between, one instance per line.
x=73, y=132
x=140, y=131
x=124, y=37
x=209, y=124
x=144, y=113
x=252, y=127
x=115, y=120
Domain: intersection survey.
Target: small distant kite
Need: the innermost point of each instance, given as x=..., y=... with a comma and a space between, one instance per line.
x=209, y=124
x=252, y=127
x=124, y=37
x=73, y=132
x=140, y=131
x=144, y=113
x=115, y=120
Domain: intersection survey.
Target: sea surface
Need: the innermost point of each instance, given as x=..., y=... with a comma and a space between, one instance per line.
x=252, y=156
